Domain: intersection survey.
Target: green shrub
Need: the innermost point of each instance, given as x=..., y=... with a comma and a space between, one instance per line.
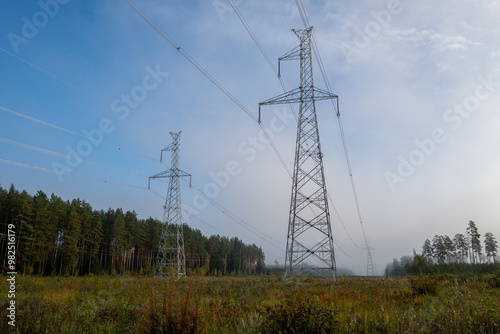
x=300, y=314
x=493, y=280
x=424, y=285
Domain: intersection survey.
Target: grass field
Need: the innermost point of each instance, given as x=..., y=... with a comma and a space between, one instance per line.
x=437, y=304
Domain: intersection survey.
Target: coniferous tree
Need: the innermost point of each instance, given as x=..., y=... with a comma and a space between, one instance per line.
x=427, y=250
x=117, y=241
x=461, y=247
x=438, y=249
x=474, y=242
x=450, y=248
x=490, y=246
x=23, y=220
x=58, y=214
x=94, y=240
x=71, y=237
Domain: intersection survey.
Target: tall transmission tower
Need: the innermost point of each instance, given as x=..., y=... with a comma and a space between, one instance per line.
x=171, y=259
x=309, y=229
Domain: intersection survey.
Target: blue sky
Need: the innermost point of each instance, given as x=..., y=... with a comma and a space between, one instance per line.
x=419, y=88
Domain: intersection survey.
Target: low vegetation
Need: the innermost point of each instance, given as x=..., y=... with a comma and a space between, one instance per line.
x=105, y=304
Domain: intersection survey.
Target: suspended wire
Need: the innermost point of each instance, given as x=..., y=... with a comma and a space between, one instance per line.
x=18, y=164
x=280, y=157
x=35, y=120
x=218, y=206
x=340, y=248
x=249, y=30
x=240, y=221
x=215, y=228
x=59, y=155
x=200, y=68
x=341, y=221
x=46, y=170
x=283, y=11
x=336, y=244
x=204, y=222
x=51, y=75
x=191, y=215
x=157, y=194
x=352, y=179
x=305, y=20
x=186, y=55
x=215, y=204
x=70, y=85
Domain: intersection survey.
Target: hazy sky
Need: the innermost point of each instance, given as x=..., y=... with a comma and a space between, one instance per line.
x=419, y=89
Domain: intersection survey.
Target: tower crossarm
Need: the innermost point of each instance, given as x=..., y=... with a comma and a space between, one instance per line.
x=293, y=54
x=296, y=96
x=169, y=173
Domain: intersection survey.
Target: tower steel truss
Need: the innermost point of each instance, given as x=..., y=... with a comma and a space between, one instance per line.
x=309, y=229
x=370, y=270
x=171, y=259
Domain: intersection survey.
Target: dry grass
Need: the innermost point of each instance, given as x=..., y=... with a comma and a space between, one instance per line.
x=255, y=305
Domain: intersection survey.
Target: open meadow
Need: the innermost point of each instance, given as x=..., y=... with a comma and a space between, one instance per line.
x=104, y=304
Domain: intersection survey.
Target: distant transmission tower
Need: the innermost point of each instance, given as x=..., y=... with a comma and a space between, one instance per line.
x=171, y=259
x=370, y=271
x=309, y=230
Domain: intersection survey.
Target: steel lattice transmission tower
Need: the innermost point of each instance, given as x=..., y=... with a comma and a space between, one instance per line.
x=309, y=229
x=370, y=271
x=171, y=245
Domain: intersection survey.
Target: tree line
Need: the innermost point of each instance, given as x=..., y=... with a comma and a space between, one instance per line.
x=57, y=237
x=462, y=253
x=464, y=248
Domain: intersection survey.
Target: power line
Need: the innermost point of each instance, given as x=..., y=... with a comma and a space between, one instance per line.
x=35, y=120
x=51, y=75
x=218, y=206
x=59, y=155
x=204, y=222
x=305, y=20
x=239, y=221
x=250, y=32
x=200, y=68
x=341, y=221
x=261, y=49
x=215, y=228
x=283, y=12
x=46, y=170
x=186, y=55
